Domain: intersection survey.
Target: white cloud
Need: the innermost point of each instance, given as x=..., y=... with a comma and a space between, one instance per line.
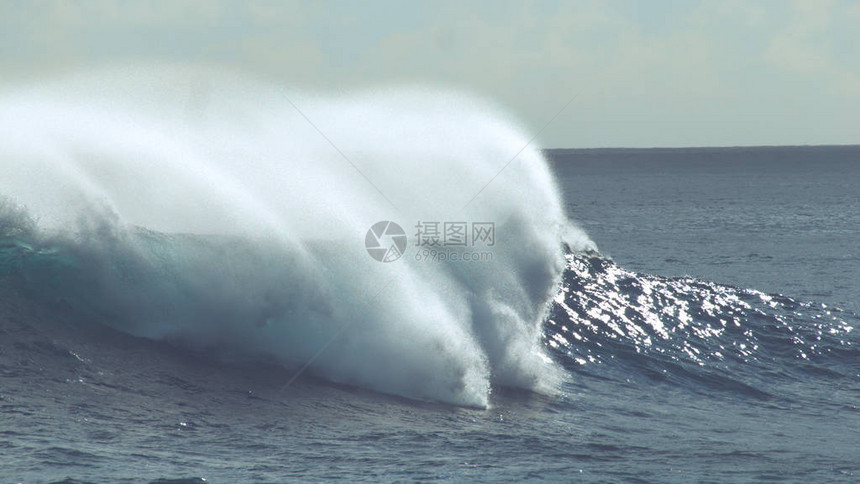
x=657, y=73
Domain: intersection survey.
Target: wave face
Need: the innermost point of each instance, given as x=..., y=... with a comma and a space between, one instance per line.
x=611, y=322
x=229, y=215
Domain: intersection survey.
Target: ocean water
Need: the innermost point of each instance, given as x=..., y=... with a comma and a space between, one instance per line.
x=177, y=305
x=778, y=219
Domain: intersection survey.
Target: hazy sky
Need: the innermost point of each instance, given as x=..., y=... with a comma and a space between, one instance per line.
x=646, y=73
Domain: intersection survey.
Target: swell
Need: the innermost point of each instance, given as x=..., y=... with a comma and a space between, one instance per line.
x=605, y=321
x=611, y=322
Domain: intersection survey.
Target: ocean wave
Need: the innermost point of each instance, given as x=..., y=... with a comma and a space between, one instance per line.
x=230, y=217
x=609, y=321
x=222, y=213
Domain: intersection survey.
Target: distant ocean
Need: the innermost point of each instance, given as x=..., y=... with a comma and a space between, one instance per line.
x=704, y=330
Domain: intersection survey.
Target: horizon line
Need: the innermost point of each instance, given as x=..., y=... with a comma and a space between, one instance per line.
x=702, y=147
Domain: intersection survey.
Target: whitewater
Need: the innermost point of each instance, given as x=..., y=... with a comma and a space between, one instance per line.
x=229, y=215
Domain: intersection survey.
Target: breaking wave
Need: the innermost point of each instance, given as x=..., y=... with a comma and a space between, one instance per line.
x=229, y=215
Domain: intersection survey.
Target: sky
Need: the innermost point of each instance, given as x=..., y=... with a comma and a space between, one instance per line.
x=641, y=73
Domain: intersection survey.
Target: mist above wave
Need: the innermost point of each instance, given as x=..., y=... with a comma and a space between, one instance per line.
x=111, y=164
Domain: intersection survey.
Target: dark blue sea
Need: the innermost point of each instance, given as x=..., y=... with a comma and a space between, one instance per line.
x=711, y=336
